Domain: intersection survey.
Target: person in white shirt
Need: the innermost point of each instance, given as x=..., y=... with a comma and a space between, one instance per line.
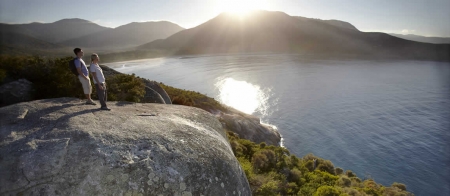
x=99, y=81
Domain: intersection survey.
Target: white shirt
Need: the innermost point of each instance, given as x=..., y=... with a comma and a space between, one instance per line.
x=97, y=70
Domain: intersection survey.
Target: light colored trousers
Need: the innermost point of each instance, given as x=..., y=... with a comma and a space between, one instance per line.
x=87, y=89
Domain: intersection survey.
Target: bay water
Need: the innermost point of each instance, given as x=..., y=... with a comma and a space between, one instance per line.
x=386, y=120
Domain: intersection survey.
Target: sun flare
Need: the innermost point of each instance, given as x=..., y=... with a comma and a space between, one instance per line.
x=242, y=7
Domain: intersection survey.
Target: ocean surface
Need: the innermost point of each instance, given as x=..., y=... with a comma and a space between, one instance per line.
x=386, y=120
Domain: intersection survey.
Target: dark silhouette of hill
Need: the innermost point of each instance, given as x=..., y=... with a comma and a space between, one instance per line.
x=6, y=29
x=20, y=44
x=418, y=38
x=126, y=36
x=337, y=23
x=62, y=30
x=23, y=41
x=16, y=39
x=264, y=31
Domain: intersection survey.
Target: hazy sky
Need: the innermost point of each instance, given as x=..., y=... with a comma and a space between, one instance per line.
x=421, y=17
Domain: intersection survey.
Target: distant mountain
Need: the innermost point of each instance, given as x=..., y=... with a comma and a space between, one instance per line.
x=61, y=30
x=24, y=41
x=41, y=38
x=126, y=36
x=337, y=23
x=418, y=38
x=16, y=39
x=264, y=31
x=69, y=33
x=9, y=28
x=20, y=44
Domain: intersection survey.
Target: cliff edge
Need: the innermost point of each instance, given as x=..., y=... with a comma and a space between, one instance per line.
x=63, y=147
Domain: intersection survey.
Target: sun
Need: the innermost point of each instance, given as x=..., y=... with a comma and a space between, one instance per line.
x=242, y=7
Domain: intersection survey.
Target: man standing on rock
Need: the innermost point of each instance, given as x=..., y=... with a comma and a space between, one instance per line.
x=99, y=81
x=83, y=75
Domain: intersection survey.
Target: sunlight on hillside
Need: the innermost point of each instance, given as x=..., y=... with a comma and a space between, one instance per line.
x=242, y=7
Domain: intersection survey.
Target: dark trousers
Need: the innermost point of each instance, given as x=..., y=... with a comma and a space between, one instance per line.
x=102, y=94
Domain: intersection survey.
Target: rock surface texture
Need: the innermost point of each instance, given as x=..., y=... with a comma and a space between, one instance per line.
x=15, y=92
x=155, y=87
x=63, y=147
x=249, y=127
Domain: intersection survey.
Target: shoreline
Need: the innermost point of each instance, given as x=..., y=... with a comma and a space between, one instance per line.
x=248, y=126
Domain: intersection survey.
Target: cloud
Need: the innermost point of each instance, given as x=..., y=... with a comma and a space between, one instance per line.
x=395, y=31
x=39, y=21
x=408, y=31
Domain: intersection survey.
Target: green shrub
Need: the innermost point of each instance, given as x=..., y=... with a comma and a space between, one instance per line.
x=194, y=99
x=394, y=191
x=338, y=171
x=272, y=170
x=399, y=185
x=344, y=181
x=123, y=87
x=356, y=179
x=291, y=189
x=309, y=164
x=264, y=160
x=51, y=78
x=295, y=175
x=262, y=145
x=351, y=192
x=269, y=188
x=2, y=76
x=349, y=173
x=246, y=166
x=327, y=191
x=325, y=165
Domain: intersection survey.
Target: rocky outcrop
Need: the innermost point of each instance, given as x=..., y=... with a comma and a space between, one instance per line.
x=151, y=96
x=249, y=127
x=153, y=92
x=155, y=86
x=63, y=147
x=15, y=92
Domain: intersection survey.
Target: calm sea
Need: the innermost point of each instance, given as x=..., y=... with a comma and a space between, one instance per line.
x=386, y=120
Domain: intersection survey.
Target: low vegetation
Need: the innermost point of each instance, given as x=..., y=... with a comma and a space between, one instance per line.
x=192, y=98
x=272, y=170
x=52, y=78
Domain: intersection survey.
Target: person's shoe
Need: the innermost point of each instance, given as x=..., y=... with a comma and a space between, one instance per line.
x=90, y=102
x=105, y=108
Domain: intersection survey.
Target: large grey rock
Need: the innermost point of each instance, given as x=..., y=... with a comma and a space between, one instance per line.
x=15, y=92
x=63, y=147
x=151, y=96
x=155, y=86
x=249, y=127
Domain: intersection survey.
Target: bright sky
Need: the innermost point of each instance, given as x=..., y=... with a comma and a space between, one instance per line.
x=421, y=17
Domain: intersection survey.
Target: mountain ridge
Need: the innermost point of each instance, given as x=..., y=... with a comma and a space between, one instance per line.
x=260, y=31
x=63, y=29
x=266, y=31
x=424, y=39
x=126, y=36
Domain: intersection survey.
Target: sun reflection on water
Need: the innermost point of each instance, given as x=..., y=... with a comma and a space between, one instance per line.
x=241, y=95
